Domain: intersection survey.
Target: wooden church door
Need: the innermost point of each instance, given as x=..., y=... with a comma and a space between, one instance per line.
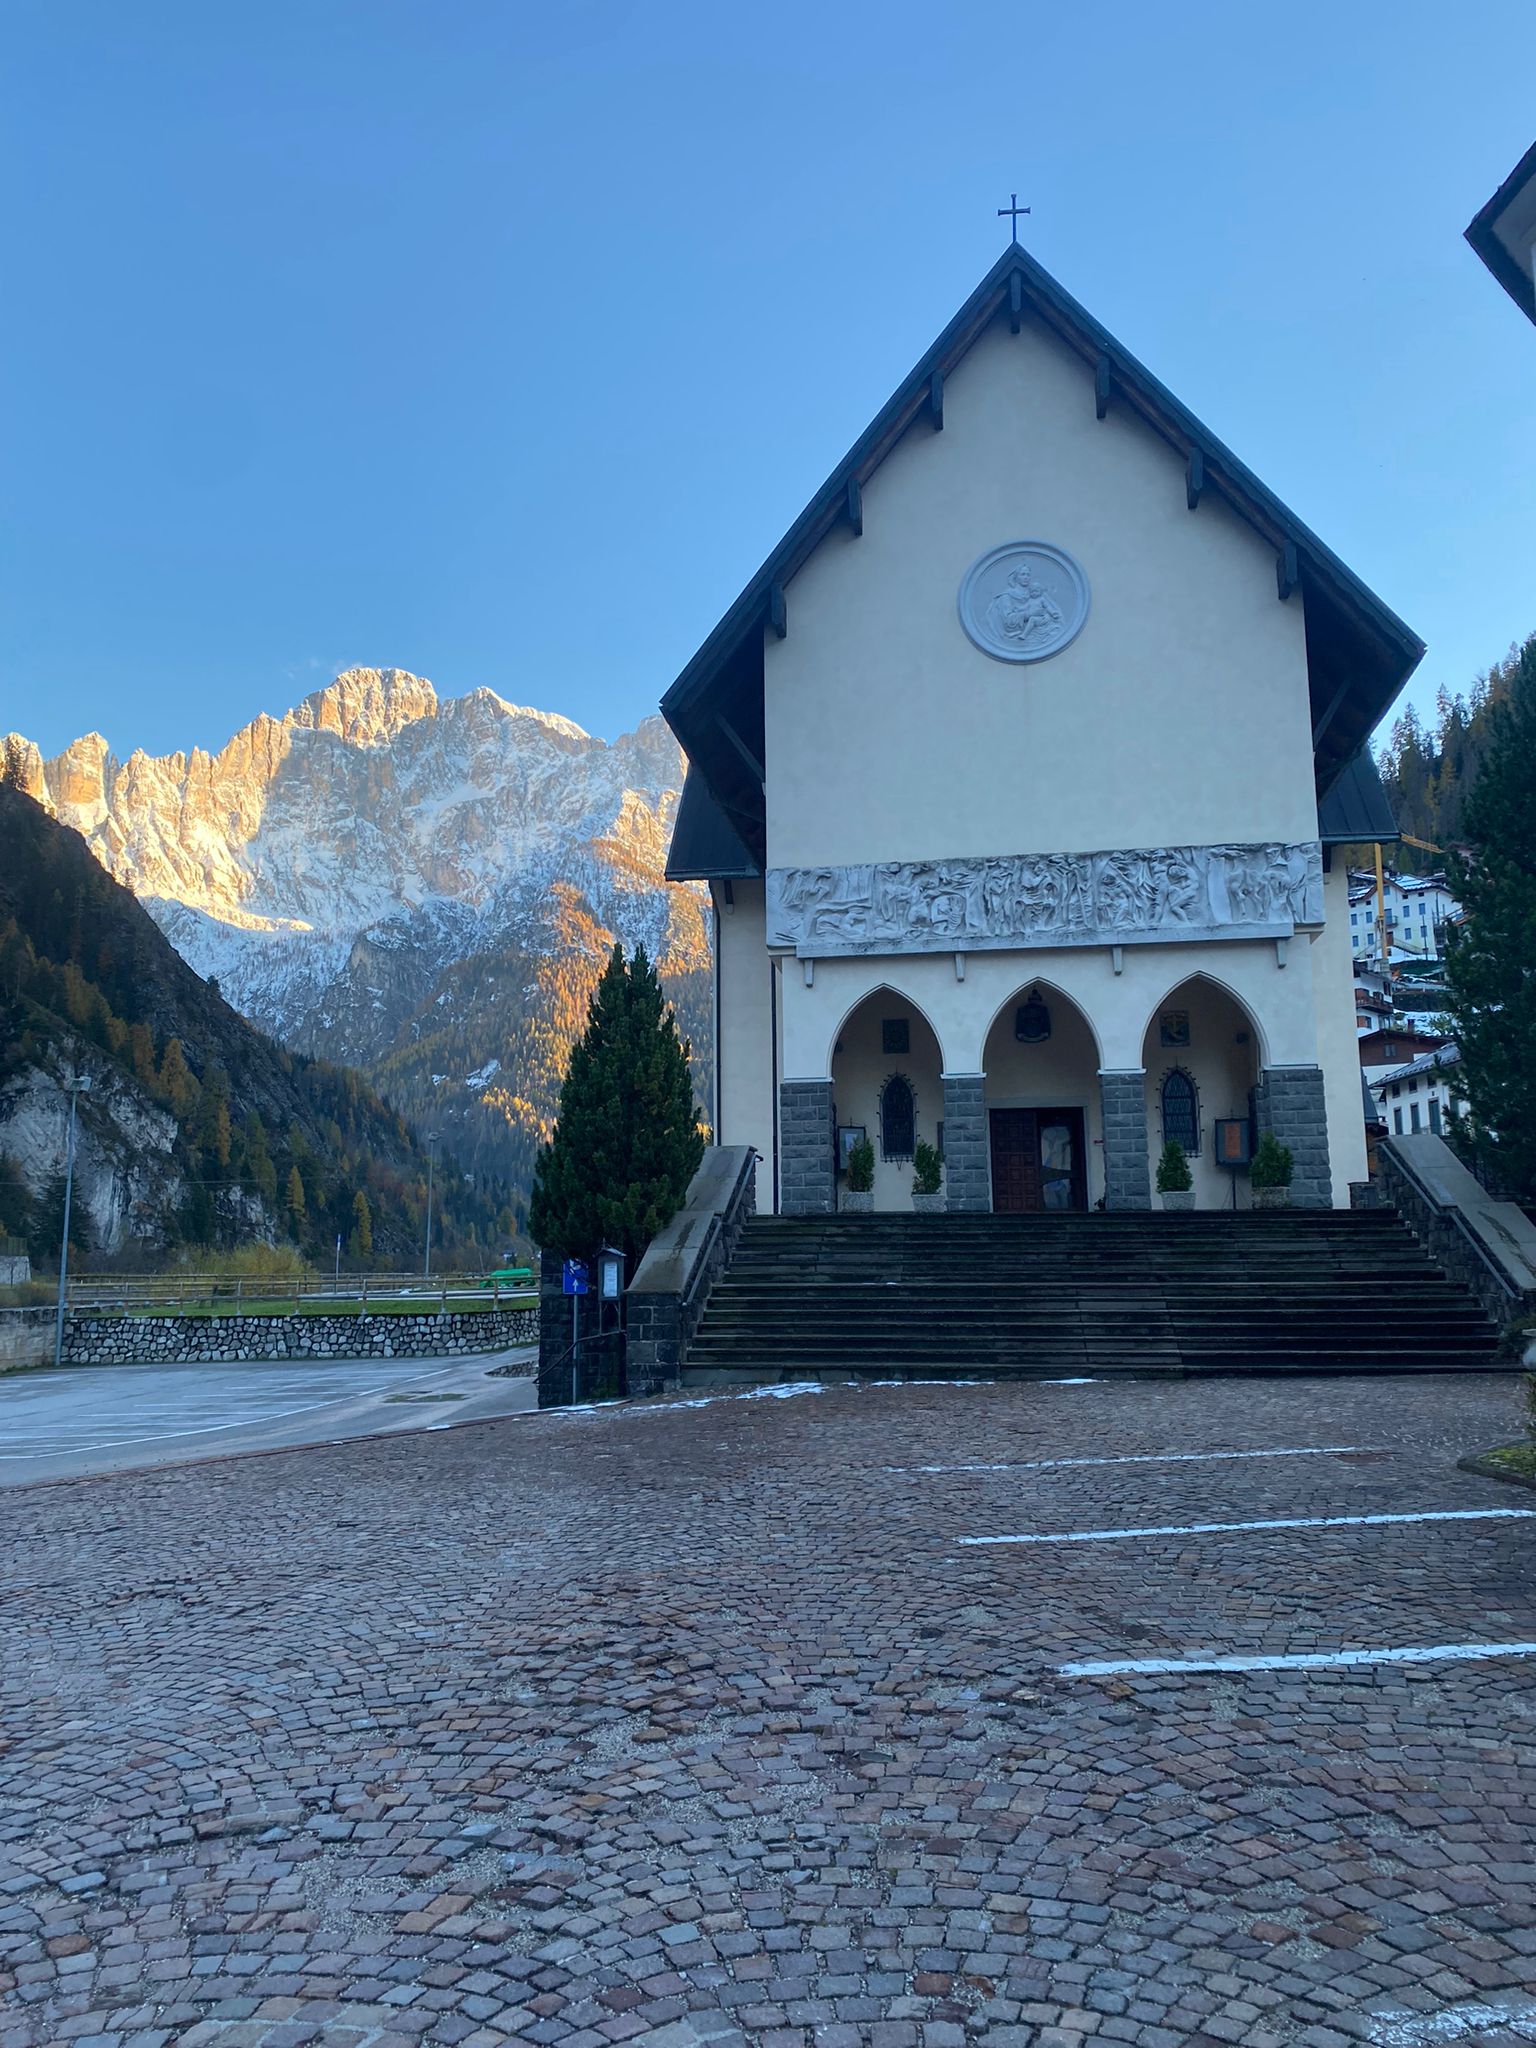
x=1038, y=1164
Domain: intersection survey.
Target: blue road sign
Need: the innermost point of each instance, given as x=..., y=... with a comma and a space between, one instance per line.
x=574, y=1277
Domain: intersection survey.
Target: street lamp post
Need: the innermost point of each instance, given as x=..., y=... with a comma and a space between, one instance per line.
x=426, y=1254
x=81, y=1085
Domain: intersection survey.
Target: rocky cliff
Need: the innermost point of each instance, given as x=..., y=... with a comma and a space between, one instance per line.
x=422, y=888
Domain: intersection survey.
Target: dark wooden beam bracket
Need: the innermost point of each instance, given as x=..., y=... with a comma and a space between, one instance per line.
x=855, y=505
x=936, y=400
x=754, y=766
x=1287, y=570
x=778, y=617
x=1015, y=303
x=1101, y=388
x=1194, y=478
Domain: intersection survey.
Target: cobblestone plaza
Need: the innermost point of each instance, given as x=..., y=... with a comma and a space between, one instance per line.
x=703, y=1722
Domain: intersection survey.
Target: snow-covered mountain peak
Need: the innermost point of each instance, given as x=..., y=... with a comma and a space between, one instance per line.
x=378, y=861
x=367, y=707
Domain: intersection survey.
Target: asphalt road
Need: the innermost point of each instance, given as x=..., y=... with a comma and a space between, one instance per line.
x=90, y=1419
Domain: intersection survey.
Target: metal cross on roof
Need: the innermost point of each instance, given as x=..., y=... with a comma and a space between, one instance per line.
x=1012, y=212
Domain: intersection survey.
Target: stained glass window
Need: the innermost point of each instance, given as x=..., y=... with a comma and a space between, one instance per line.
x=898, y=1118
x=895, y=1034
x=1181, y=1111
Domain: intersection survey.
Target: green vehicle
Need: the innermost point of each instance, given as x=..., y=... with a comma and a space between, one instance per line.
x=509, y=1276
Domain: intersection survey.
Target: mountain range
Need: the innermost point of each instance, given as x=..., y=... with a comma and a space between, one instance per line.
x=422, y=888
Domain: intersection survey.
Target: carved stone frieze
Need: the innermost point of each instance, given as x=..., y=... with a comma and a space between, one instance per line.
x=1149, y=895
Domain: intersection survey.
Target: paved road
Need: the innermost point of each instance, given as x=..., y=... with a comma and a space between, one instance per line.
x=112, y=1418
x=715, y=1723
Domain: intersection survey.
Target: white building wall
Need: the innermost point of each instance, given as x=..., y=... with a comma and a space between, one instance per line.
x=1281, y=1000
x=1338, y=1050
x=1178, y=715
x=744, y=1026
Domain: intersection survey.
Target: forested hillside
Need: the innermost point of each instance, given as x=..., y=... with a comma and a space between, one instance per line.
x=1429, y=770
x=197, y=1129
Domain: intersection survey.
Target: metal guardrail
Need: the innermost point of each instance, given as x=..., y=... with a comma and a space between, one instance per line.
x=104, y=1294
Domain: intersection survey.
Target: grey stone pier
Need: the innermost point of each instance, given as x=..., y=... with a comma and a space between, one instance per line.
x=1290, y=1103
x=967, y=1155
x=807, y=1141
x=1127, y=1175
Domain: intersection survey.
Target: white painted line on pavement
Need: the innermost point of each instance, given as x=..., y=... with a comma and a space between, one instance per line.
x=1138, y=1458
x=1068, y=1383
x=1402, y=2028
x=1291, y=1522
x=1305, y=1660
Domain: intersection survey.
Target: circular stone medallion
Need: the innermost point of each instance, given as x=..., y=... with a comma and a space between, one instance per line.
x=1023, y=601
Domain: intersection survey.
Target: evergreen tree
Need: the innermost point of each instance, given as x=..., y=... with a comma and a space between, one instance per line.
x=15, y=1202
x=362, y=1227
x=294, y=1200
x=1490, y=967
x=178, y=1090
x=627, y=1140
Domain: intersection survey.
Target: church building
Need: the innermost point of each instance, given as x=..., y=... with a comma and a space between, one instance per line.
x=1015, y=774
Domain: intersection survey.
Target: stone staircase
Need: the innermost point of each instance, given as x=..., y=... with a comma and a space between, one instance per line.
x=1299, y=1291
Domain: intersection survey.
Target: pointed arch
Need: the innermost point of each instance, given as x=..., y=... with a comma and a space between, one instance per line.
x=897, y=995
x=1051, y=991
x=1166, y=1002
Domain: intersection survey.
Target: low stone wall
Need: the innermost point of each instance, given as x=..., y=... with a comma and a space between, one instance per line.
x=1484, y=1245
x=26, y=1337
x=221, y=1340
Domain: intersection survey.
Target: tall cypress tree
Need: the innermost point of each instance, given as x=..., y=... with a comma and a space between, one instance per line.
x=627, y=1139
x=1490, y=967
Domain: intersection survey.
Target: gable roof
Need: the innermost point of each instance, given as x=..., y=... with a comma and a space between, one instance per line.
x=1356, y=809
x=705, y=844
x=1489, y=232
x=1359, y=653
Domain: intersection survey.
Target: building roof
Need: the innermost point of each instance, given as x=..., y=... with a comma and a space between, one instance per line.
x=1447, y=1055
x=1502, y=233
x=705, y=844
x=1359, y=653
x=1356, y=806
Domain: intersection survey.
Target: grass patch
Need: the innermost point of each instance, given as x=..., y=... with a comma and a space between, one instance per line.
x=1514, y=1462
x=1519, y=1460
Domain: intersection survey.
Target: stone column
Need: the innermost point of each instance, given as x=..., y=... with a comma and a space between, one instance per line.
x=1127, y=1181
x=1290, y=1103
x=967, y=1162
x=807, y=1168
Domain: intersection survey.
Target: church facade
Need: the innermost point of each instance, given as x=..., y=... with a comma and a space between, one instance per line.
x=1015, y=776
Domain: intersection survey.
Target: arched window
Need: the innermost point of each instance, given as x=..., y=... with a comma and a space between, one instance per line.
x=898, y=1118
x=1181, y=1111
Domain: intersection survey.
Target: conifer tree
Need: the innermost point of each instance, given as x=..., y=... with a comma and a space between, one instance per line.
x=178, y=1089
x=627, y=1139
x=1490, y=966
x=294, y=1200
x=362, y=1227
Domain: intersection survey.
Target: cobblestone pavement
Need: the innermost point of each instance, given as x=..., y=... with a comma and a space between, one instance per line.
x=696, y=1723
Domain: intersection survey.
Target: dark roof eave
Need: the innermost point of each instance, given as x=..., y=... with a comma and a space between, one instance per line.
x=1481, y=231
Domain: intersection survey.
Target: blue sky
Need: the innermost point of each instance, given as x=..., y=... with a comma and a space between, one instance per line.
x=501, y=343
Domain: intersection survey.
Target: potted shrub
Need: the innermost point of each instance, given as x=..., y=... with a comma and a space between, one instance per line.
x=1270, y=1174
x=859, y=1195
x=1173, y=1177
x=927, y=1179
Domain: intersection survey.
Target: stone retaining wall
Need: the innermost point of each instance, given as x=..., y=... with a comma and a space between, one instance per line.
x=219, y=1340
x=26, y=1337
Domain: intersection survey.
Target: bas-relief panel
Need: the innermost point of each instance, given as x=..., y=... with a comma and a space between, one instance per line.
x=1135, y=897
